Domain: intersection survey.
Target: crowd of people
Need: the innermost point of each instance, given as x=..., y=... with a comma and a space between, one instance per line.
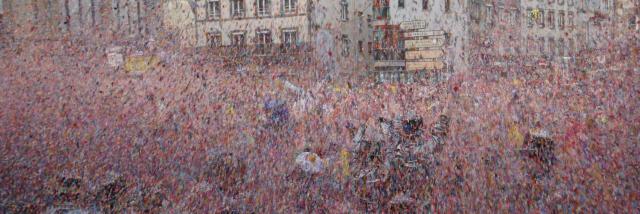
x=66, y=113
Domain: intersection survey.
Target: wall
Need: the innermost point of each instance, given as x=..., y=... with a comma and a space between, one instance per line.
x=454, y=22
x=179, y=18
x=318, y=23
x=250, y=22
x=326, y=18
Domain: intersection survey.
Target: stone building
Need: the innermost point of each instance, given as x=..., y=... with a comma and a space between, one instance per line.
x=627, y=13
x=400, y=26
x=596, y=23
x=508, y=32
x=338, y=30
x=49, y=19
x=480, y=33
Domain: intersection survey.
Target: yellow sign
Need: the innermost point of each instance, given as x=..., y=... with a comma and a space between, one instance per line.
x=389, y=63
x=431, y=42
x=412, y=25
x=424, y=33
x=414, y=66
x=140, y=63
x=426, y=54
x=344, y=158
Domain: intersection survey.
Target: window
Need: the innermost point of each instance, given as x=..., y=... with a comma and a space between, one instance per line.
x=489, y=15
x=345, y=45
x=263, y=37
x=572, y=47
x=515, y=18
x=425, y=4
x=289, y=37
x=530, y=18
x=633, y=23
x=380, y=9
x=213, y=9
x=80, y=10
x=561, y=47
x=400, y=3
x=447, y=38
x=475, y=12
x=570, y=19
x=370, y=47
x=290, y=6
x=502, y=14
x=551, y=19
x=344, y=10
x=237, y=39
x=214, y=39
x=264, y=7
x=561, y=20
x=67, y=14
x=541, y=45
x=540, y=19
x=447, y=6
x=560, y=2
x=93, y=11
x=237, y=8
x=552, y=47
x=360, y=46
x=263, y=41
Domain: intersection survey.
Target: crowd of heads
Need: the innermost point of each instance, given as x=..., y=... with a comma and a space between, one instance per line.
x=194, y=135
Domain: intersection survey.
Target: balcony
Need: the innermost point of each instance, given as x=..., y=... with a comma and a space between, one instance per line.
x=263, y=12
x=237, y=14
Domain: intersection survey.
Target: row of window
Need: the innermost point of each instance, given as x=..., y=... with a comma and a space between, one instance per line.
x=127, y=15
x=263, y=37
x=534, y=16
x=237, y=8
x=551, y=46
x=583, y=4
x=560, y=2
x=425, y=5
x=381, y=7
x=537, y=16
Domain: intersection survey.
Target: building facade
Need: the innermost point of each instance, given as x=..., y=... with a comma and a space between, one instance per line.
x=264, y=27
x=245, y=22
x=49, y=19
x=627, y=13
x=485, y=32
x=403, y=34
